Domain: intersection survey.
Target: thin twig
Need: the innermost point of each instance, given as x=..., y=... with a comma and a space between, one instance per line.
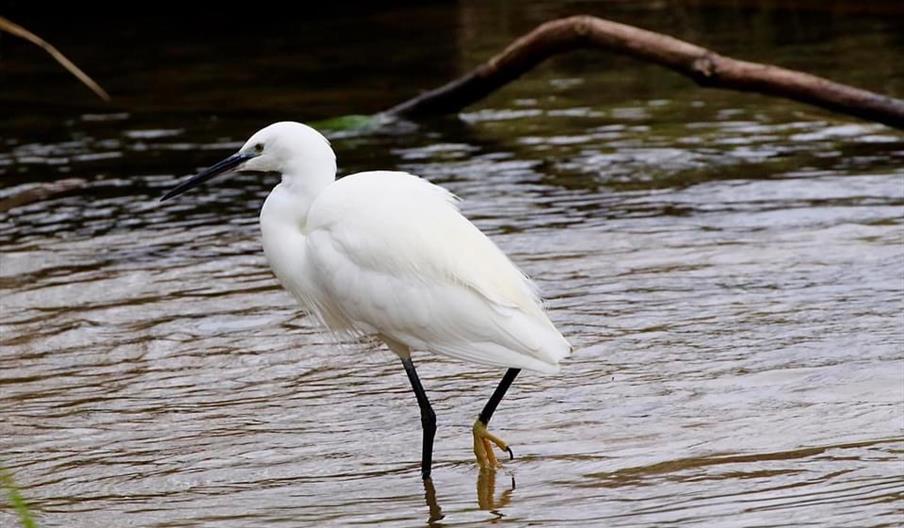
x=19, y=31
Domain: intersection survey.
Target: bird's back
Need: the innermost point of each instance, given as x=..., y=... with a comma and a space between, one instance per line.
x=389, y=252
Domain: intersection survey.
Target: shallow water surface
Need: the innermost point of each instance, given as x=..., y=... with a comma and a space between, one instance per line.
x=729, y=268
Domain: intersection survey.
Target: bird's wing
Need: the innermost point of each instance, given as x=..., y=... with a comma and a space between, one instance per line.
x=394, y=255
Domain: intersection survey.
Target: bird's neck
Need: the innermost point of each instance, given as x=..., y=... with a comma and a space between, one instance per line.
x=302, y=182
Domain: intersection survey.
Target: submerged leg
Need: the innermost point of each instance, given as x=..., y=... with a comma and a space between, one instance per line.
x=483, y=439
x=428, y=417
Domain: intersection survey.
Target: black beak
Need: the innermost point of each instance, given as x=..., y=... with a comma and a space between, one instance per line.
x=214, y=170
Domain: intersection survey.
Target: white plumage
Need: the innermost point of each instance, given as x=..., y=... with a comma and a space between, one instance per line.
x=389, y=253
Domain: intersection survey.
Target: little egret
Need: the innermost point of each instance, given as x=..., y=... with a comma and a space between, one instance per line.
x=389, y=254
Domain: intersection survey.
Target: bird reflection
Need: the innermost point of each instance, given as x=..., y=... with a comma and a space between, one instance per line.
x=436, y=513
x=486, y=492
x=486, y=496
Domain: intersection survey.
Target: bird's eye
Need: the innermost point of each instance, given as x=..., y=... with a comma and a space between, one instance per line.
x=258, y=148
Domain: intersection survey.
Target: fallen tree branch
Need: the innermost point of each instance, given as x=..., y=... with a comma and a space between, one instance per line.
x=707, y=68
x=19, y=31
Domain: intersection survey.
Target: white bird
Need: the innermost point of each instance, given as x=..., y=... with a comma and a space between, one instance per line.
x=389, y=254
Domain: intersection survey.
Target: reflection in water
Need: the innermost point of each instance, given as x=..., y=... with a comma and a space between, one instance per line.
x=729, y=267
x=486, y=496
x=486, y=492
x=436, y=512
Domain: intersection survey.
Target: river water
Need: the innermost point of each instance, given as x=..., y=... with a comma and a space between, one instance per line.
x=730, y=269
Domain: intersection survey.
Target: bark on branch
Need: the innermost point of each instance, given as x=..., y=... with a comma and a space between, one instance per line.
x=707, y=68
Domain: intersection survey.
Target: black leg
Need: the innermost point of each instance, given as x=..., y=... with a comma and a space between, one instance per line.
x=491, y=405
x=428, y=417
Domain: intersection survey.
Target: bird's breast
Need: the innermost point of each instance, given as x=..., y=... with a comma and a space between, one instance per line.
x=283, y=240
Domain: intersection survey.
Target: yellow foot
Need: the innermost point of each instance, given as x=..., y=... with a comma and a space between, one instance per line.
x=483, y=446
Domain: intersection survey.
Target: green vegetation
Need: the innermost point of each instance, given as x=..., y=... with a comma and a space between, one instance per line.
x=14, y=497
x=346, y=123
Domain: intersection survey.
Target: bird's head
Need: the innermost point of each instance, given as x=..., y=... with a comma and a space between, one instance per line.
x=288, y=148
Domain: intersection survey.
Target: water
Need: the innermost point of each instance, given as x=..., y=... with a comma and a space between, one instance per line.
x=730, y=268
